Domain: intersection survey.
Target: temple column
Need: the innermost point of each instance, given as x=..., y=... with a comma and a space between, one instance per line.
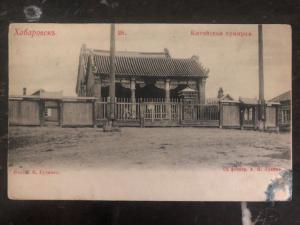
x=167, y=98
x=167, y=90
x=201, y=90
x=132, y=99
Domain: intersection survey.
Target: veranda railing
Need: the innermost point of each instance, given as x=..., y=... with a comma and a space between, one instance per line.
x=151, y=110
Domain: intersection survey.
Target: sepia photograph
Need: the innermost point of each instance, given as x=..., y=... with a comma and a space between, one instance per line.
x=152, y=112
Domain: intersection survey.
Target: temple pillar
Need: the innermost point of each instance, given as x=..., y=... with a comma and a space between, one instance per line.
x=132, y=99
x=167, y=90
x=132, y=88
x=167, y=98
x=201, y=90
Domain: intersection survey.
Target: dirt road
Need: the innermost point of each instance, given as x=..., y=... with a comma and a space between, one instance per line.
x=152, y=148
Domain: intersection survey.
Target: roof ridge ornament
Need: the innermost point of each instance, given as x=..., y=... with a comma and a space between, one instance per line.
x=167, y=53
x=196, y=58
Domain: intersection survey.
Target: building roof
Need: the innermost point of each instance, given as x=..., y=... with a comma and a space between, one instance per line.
x=249, y=101
x=145, y=64
x=51, y=98
x=164, y=54
x=286, y=96
x=227, y=97
x=41, y=93
x=187, y=89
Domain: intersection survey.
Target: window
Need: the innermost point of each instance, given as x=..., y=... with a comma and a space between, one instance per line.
x=250, y=114
x=246, y=114
x=285, y=116
x=48, y=112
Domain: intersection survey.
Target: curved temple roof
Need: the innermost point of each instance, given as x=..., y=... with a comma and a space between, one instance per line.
x=145, y=64
x=160, y=67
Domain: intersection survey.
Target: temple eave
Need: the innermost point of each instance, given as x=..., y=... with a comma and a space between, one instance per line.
x=180, y=76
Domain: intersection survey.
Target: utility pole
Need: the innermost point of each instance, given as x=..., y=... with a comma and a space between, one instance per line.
x=262, y=109
x=111, y=126
x=112, y=73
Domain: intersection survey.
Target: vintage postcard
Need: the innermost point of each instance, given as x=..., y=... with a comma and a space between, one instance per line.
x=152, y=112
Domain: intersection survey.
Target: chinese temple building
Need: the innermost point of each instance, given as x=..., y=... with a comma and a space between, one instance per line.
x=140, y=75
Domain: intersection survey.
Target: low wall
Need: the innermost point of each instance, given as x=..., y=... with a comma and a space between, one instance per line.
x=24, y=112
x=230, y=115
x=77, y=114
x=271, y=117
x=31, y=112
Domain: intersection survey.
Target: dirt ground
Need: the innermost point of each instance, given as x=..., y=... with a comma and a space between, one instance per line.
x=145, y=148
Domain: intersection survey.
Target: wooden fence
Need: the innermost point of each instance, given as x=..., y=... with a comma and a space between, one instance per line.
x=77, y=114
x=144, y=112
x=24, y=112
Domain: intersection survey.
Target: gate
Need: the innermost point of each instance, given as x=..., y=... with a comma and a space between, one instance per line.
x=51, y=113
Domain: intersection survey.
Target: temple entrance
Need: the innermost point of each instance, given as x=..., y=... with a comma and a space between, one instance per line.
x=248, y=116
x=51, y=113
x=194, y=113
x=249, y=113
x=188, y=97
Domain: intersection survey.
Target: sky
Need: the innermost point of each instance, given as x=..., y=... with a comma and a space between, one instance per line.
x=50, y=62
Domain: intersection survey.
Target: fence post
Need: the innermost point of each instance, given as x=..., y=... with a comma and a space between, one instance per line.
x=142, y=114
x=108, y=108
x=180, y=112
x=255, y=119
x=61, y=113
x=242, y=111
x=94, y=114
x=277, y=118
x=42, y=112
x=220, y=114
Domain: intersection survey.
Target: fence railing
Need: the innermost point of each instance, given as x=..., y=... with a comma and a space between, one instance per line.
x=127, y=111
x=209, y=112
x=139, y=100
x=158, y=111
x=162, y=111
x=101, y=110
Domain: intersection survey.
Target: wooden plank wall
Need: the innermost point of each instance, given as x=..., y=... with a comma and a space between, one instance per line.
x=77, y=114
x=230, y=115
x=271, y=116
x=24, y=112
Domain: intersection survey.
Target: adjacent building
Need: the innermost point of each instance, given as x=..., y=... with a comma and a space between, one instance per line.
x=284, y=110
